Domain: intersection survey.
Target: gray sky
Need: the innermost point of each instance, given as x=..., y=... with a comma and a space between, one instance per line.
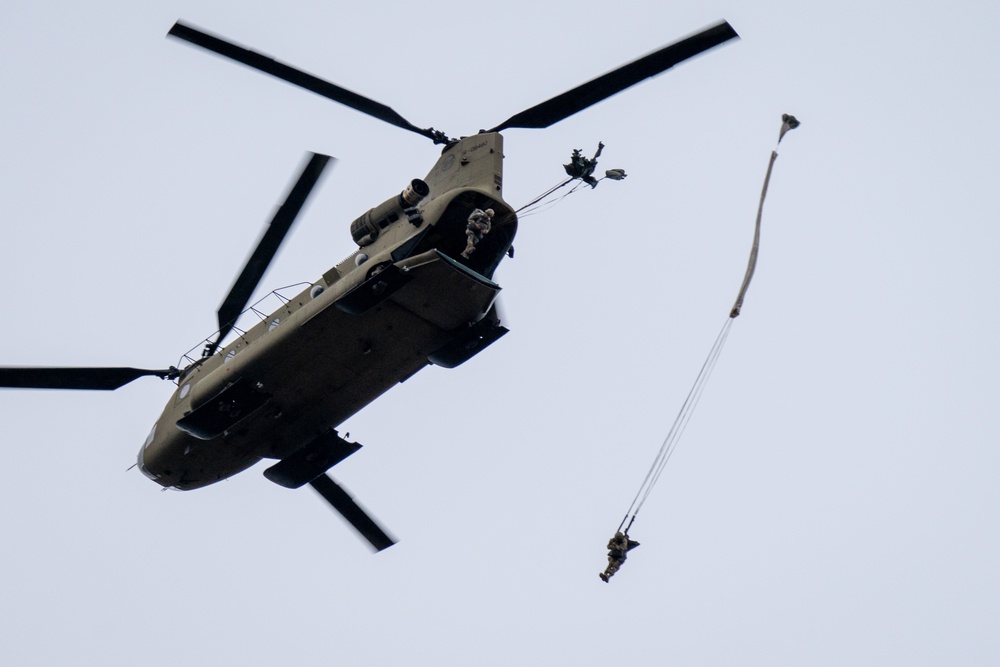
x=834, y=500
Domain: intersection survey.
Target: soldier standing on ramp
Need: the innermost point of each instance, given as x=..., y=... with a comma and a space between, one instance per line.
x=478, y=226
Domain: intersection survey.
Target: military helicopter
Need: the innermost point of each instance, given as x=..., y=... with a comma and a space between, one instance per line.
x=411, y=295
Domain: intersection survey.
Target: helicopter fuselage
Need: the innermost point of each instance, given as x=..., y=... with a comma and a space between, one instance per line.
x=405, y=299
x=419, y=290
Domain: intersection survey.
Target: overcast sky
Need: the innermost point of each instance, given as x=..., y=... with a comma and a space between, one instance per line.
x=834, y=500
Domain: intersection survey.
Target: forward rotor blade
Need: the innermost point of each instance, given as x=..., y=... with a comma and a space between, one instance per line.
x=295, y=77
x=341, y=501
x=268, y=246
x=75, y=378
x=562, y=106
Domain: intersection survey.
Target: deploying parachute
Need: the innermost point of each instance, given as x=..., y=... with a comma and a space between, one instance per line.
x=617, y=553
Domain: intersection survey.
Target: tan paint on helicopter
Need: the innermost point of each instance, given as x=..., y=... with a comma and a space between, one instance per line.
x=410, y=296
x=321, y=365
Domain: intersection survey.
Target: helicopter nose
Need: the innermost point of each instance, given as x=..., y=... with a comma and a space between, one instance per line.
x=142, y=465
x=141, y=458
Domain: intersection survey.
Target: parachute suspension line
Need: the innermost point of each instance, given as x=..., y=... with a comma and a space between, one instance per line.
x=579, y=169
x=545, y=194
x=680, y=423
x=713, y=358
x=538, y=204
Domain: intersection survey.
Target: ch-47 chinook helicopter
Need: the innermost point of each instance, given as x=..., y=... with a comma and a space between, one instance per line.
x=408, y=297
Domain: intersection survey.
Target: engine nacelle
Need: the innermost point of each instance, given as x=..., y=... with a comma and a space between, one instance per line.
x=367, y=227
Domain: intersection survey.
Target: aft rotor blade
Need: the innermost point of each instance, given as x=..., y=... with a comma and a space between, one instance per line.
x=268, y=246
x=295, y=77
x=562, y=106
x=341, y=501
x=75, y=378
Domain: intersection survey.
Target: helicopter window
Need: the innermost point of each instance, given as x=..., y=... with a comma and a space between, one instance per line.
x=230, y=355
x=274, y=324
x=185, y=390
x=149, y=438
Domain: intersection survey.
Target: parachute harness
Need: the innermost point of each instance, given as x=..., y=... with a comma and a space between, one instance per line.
x=687, y=409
